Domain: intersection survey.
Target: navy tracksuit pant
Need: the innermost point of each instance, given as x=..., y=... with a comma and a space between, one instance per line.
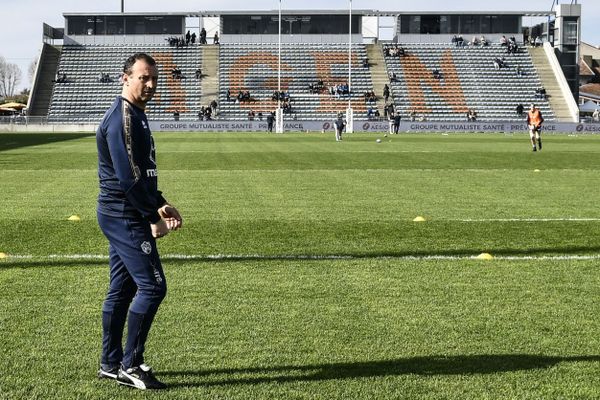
x=137, y=287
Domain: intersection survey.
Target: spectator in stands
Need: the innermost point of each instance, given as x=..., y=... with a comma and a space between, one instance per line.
x=454, y=40
x=203, y=36
x=228, y=95
x=474, y=41
x=346, y=89
x=176, y=73
x=60, y=77
x=483, y=41
x=188, y=37
x=460, y=41
x=176, y=115
x=193, y=38
x=413, y=115
x=370, y=96
x=365, y=62
x=499, y=63
x=540, y=93
x=198, y=73
x=397, y=51
x=596, y=115
x=471, y=115
x=207, y=113
x=260, y=115
x=287, y=107
x=503, y=41
x=537, y=42
x=436, y=73
x=104, y=78
x=512, y=47
x=338, y=91
x=251, y=115
x=201, y=114
x=213, y=106
x=392, y=76
x=519, y=110
x=386, y=92
x=216, y=38
x=519, y=71
x=370, y=113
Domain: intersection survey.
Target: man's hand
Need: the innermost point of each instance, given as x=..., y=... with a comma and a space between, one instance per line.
x=171, y=217
x=159, y=229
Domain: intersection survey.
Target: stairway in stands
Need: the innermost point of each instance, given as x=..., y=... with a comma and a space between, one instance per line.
x=550, y=83
x=42, y=95
x=210, y=74
x=379, y=76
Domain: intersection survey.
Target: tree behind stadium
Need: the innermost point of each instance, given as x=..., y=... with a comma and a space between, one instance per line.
x=10, y=77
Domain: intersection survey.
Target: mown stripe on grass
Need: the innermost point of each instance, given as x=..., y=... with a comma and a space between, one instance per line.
x=299, y=257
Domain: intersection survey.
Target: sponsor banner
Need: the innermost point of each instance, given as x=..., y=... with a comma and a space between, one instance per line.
x=230, y=126
x=369, y=126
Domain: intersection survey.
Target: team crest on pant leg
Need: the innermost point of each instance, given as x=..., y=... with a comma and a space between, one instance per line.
x=146, y=247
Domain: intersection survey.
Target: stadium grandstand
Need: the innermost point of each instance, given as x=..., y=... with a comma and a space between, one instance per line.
x=315, y=64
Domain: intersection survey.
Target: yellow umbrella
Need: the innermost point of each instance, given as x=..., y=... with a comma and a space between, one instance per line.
x=16, y=106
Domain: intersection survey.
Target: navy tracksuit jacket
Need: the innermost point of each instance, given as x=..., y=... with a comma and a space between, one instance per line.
x=127, y=204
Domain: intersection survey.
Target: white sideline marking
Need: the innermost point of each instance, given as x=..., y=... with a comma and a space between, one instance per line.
x=258, y=257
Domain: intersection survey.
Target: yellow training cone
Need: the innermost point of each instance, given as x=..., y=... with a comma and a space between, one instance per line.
x=3, y=255
x=485, y=256
x=74, y=218
x=419, y=219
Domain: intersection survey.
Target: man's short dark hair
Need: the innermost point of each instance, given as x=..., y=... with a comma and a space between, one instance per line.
x=137, y=56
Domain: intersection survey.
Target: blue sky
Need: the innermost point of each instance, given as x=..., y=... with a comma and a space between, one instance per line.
x=21, y=25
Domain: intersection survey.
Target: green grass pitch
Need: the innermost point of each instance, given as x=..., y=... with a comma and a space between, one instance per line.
x=300, y=274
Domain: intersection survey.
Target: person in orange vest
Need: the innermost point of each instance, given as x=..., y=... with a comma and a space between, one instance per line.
x=534, y=122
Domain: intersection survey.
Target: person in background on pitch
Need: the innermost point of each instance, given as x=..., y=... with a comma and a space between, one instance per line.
x=397, y=119
x=339, y=125
x=534, y=122
x=270, y=120
x=132, y=214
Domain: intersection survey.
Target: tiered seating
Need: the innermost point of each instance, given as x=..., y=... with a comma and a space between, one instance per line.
x=253, y=67
x=469, y=81
x=83, y=98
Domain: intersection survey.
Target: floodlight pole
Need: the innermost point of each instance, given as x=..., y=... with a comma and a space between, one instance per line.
x=349, y=111
x=278, y=112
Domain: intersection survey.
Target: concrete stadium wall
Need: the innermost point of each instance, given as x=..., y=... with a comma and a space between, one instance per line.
x=33, y=128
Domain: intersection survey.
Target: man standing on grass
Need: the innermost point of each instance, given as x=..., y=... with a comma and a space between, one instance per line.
x=339, y=125
x=132, y=213
x=534, y=122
